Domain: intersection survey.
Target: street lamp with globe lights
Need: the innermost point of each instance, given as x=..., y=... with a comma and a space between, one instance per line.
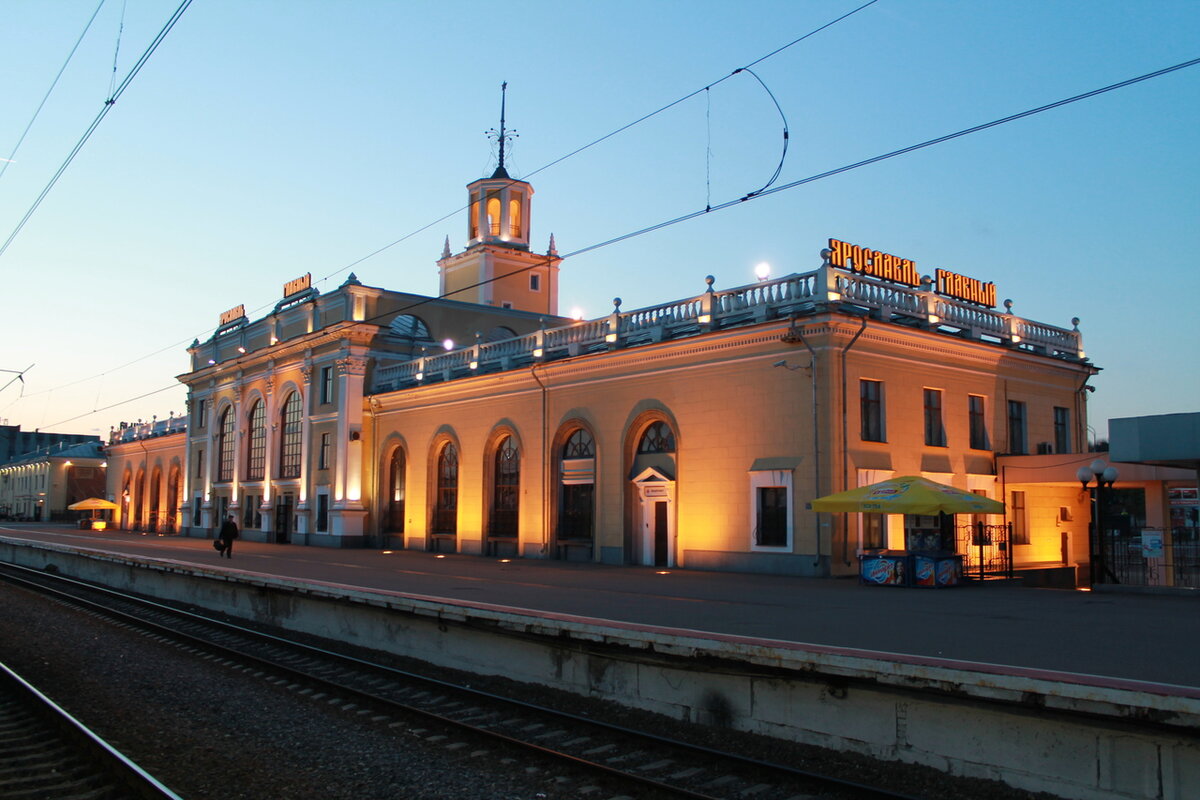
x=1105, y=476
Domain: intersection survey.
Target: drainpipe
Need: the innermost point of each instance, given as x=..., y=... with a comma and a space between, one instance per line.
x=545, y=467
x=845, y=454
x=794, y=334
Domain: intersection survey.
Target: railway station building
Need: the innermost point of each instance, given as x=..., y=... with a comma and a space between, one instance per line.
x=689, y=434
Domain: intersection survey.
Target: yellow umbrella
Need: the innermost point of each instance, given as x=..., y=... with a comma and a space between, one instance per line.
x=92, y=504
x=910, y=494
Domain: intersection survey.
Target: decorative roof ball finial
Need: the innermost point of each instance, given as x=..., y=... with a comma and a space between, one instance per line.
x=825, y=254
x=616, y=304
x=1008, y=304
x=710, y=280
x=1075, y=322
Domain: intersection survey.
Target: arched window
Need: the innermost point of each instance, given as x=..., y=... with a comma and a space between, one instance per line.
x=394, y=520
x=577, y=476
x=499, y=334
x=514, y=216
x=493, y=215
x=256, y=448
x=289, y=441
x=410, y=328
x=226, y=442
x=506, y=485
x=658, y=438
x=155, y=497
x=445, y=511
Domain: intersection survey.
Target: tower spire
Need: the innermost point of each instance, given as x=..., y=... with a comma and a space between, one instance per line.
x=503, y=135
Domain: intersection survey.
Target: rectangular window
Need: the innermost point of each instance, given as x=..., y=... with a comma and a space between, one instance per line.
x=770, y=511
x=1062, y=430
x=535, y=282
x=978, y=423
x=326, y=385
x=1020, y=522
x=935, y=431
x=196, y=510
x=201, y=412
x=199, y=463
x=1016, y=428
x=870, y=395
x=771, y=530
x=322, y=513
x=323, y=453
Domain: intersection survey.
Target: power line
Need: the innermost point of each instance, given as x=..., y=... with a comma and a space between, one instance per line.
x=784, y=187
x=108, y=104
x=53, y=83
x=540, y=169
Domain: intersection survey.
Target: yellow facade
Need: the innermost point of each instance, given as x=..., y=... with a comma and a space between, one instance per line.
x=689, y=434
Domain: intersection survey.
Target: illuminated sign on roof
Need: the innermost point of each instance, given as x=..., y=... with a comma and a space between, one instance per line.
x=297, y=285
x=885, y=266
x=237, y=312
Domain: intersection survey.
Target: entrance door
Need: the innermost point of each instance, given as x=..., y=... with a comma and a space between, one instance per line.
x=283, y=518
x=660, y=534
x=654, y=543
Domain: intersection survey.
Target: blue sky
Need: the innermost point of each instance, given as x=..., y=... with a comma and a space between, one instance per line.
x=264, y=140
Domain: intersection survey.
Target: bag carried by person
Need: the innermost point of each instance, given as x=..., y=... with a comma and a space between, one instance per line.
x=218, y=545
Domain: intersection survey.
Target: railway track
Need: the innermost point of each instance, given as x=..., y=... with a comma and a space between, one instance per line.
x=45, y=752
x=610, y=760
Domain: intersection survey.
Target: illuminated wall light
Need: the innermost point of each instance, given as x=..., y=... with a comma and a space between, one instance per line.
x=704, y=319
x=242, y=350
x=1015, y=339
x=1082, y=354
x=420, y=376
x=274, y=340
x=439, y=555
x=474, y=365
x=610, y=337
x=537, y=352
x=934, y=319
x=447, y=344
x=834, y=297
x=211, y=361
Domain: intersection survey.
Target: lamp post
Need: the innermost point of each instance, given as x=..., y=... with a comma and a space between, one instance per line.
x=1105, y=476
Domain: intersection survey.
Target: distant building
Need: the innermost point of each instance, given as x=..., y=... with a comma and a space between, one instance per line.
x=15, y=443
x=145, y=468
x=39, y=486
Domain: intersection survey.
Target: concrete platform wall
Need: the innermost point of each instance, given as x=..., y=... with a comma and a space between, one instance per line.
x=1073, y=738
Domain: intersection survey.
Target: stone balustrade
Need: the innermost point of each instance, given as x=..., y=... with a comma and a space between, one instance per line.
x=826, y=289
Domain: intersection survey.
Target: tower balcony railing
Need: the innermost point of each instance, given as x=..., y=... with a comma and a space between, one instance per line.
x=826, y=289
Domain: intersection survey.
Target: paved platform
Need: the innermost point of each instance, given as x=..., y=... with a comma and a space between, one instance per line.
x=1111, y=635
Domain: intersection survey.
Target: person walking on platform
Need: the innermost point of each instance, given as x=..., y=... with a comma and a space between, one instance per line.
x=229, y=532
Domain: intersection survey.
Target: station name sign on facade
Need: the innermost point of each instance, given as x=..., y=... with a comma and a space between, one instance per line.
x=297, y=285
x=885, y=266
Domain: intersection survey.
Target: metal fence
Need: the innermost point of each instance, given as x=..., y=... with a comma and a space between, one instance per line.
x=1136, y=560
x=986, y=550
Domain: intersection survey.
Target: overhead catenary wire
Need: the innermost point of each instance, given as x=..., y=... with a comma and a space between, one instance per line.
x=783, y=187
x=706, y=89
x=108, y=104
x=13, y=154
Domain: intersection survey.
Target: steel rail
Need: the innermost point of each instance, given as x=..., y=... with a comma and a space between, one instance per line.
x=36, y=579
